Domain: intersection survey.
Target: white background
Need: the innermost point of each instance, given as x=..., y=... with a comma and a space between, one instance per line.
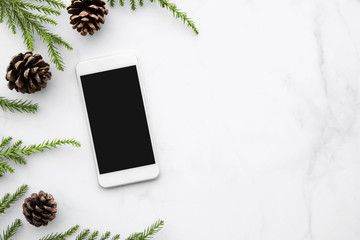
x=256, y=123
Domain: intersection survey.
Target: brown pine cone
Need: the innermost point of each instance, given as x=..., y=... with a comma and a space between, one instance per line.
x=27, y=73
x=39, y=209
x=87, y=15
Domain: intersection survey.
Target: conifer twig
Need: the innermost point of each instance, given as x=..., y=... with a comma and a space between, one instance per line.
x=18, y=105
x=11, y=230
x=82, y=236
x=147, y=233
x=177, y=13
x=85, y=234
x=61, y=236
x=9, y=199
x=16, y=151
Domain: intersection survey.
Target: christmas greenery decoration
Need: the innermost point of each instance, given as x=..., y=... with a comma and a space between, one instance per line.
x=177, y=13
x=18, y=105
x=16, y=151
x=31, y=17
x=147, y=234
x=11, y=230
x=55, y=236
x=9, y=199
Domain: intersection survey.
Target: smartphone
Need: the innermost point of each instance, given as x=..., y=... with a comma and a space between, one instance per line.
x=118, y=120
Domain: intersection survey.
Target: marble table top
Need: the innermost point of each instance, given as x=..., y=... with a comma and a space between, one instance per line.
x=256, y=120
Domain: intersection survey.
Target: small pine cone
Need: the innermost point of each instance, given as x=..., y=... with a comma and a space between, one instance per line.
x=27, y=73
x=39, y=209
x=86, y=15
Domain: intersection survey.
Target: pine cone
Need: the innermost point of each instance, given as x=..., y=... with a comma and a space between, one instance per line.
x=39, y=209
x=27, y=73
x=87, y=15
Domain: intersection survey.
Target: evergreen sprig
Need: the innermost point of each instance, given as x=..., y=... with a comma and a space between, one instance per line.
x=61, y=236
x=94, y=235
x=177, y=13
x=30, y=16
x=147, y=233
x=11, y=230
x=9, y=199
x=18, y=105
x=82, y=236
x=16, y=151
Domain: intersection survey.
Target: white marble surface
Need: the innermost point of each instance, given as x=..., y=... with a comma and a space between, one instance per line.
x=256, y=121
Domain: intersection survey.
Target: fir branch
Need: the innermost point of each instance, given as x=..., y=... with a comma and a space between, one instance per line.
x=133, y=5
x=177, y=13
x=18, y=105
x=5, y=168
x=147, y=233
x=5, y=142
x=116, y=237
x=83, y=234
x=11, y=230
x=55, y=3
x=61, y=236
x=16, y=152
x=8, y=199
x=29, y=18
x=105, y=236
x=93, y=235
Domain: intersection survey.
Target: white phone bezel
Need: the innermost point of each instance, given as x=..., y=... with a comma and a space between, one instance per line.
x=127, y=176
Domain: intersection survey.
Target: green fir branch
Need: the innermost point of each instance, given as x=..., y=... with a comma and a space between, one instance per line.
x=116, y=237
x=31, y=19
x=55, y=3
x=133, y=5
x=177, y=13
x=105, y=236
x=18, y=105
x=11, y=230
x=93, y=235
x=16, y=152
x=83, y=234
x=8, y=199
x=5, y=168
x=147, y=233
x=61, y=236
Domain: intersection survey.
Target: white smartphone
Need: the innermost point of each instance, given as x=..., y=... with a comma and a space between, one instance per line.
x=114, y=99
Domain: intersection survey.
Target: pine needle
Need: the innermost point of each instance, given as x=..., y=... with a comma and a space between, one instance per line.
x=18, y=105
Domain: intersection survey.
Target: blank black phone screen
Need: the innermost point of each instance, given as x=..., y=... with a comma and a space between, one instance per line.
x=117, y=119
